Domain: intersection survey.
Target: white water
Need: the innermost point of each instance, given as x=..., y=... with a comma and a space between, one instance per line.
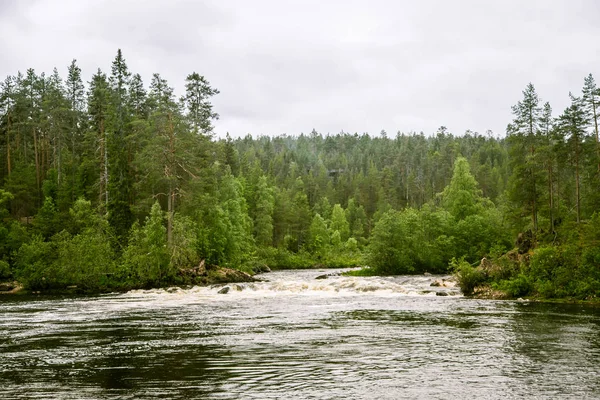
x=304, y=282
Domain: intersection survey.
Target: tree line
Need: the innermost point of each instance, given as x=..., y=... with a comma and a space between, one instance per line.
x=115, y=184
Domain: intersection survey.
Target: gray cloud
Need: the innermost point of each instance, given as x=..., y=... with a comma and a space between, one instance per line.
x=290, y=66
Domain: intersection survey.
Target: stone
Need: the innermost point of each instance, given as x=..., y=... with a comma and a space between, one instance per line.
x=225, y=290
x=441, y=293
x=6, y=287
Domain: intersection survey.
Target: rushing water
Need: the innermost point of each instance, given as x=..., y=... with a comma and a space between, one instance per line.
x=296, y=337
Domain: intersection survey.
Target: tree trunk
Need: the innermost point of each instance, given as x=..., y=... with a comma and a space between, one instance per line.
x=596, y=130
x=59, y=161
x=577, y=190
x=551, y=196
x=105, y=164
x=8, y=145
x=37, y=164
x=170, y=172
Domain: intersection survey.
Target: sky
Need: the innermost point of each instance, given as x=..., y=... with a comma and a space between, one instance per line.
x=291, y=66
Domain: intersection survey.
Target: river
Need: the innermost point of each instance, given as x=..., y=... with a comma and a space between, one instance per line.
x=296, y=337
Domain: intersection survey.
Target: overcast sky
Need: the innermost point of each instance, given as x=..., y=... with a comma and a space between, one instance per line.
x=357, y=66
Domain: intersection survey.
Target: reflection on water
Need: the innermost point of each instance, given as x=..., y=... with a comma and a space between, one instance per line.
x=298, y=337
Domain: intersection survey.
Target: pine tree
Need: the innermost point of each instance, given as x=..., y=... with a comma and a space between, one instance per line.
x=591, y=101
x=197, y=100
x=573, y=124
x=547, y=155
x=523, y=141
x=7, y=104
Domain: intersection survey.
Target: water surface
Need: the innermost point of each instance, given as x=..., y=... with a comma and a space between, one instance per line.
x=296, y=337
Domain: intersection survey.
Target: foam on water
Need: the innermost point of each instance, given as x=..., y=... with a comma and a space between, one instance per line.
x=305, y=283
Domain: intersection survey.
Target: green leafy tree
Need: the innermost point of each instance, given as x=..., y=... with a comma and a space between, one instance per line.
x=339, y=222
x=318, y=235
x=263, y=221
x=147, y=256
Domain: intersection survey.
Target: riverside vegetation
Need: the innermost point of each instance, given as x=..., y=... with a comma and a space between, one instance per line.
x=116, y=185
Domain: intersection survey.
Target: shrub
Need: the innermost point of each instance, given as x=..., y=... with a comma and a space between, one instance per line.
x=5, y=272
x=468, y=277
x=516, y=287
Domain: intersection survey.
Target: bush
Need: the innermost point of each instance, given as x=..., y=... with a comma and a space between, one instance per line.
x=35, y=265
x=468, y=277
x=516, y=287
x=544, y=263
x=5, y=272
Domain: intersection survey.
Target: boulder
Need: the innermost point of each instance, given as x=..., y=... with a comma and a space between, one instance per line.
x=225, y=290
x=324, y=276
x=441, y=293
x=261, y=268
x=228, y=275
x=10, y=287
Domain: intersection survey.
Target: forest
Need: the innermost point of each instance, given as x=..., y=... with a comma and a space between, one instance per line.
x=113, y=185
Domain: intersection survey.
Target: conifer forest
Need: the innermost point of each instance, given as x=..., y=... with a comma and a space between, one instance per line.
x=120, y=183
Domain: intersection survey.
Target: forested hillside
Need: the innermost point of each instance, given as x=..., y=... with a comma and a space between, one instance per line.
x=117, y=184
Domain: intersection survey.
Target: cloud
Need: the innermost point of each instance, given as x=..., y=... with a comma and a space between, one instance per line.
x=291, y=66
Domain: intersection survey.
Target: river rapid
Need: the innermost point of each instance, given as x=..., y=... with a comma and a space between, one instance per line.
x=297, y=337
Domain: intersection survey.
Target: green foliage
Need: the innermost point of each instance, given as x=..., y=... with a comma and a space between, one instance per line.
x=35, y=265
x=224, y=227
x=319, y=235
x=147, y=257
x=5, y=271
x=339, y=222
x=519, y=286
x=392, y=247
x=468, y=277
x=46, y=221
x=462, y=197
x=85, y=260
x=408, y=203
x=263, y=220
x=183, y=252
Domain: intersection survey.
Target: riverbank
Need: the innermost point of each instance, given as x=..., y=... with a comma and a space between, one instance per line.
x=198, y=276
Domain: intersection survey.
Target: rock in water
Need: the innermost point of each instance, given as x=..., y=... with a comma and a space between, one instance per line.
x=225, y=290
x=6, y=287
x=325, y=276
x=228, y=275
x=441, y=293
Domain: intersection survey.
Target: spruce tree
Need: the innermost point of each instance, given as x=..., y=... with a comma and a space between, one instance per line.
x=120, y=215
x=523, y=135
x=573, y=124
